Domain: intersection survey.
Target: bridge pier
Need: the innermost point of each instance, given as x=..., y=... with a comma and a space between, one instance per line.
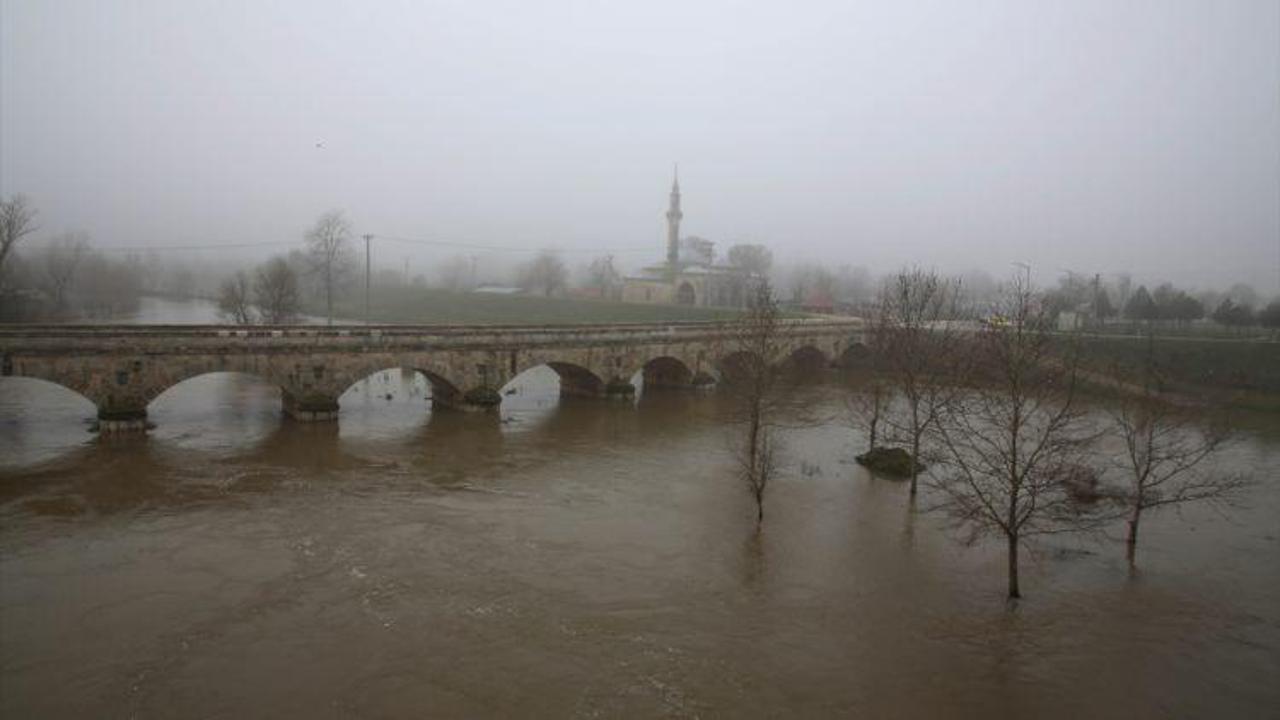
x=675, y=376
x=592, y=387
x=667, y=384
x=121, y=420
x=619, y=389
x=703, y=381
x=477, y=399
x=310, y=408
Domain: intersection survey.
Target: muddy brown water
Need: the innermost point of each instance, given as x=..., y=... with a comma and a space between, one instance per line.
x=576, y=558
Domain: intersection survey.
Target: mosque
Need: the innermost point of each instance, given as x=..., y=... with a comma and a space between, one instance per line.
x=689, y=276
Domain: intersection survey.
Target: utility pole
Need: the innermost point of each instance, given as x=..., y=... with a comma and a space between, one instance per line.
x=368, y=237
x=1097, y=290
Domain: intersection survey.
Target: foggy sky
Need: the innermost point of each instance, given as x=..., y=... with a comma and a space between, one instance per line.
x=1092, y=136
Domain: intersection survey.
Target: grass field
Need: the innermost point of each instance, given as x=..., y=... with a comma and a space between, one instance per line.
x=424, y=305
x=1242, y=372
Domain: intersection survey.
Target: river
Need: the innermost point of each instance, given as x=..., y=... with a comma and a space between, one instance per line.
x=576, y=558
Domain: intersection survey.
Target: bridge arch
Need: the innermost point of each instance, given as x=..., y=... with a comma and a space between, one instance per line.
x=575, y=379
x=807, y=357
x=157, y=390
x=856, y=355
x=736, y=364
x=440, y=387
x=666, y=371
x=443, y=390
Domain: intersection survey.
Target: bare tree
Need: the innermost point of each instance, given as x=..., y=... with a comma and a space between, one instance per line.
x=546, y=273
x=604, y=277
x=233, y=299
x=1166, y=455
x=1011, y=438
x=918, y=347
x=275, y=292
x=329, y=252
x=866, y=408
x=59, y=263
x=17, y=220
x=867, y=403
x=752, y=382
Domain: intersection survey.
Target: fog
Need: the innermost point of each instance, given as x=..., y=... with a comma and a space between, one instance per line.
x=1092, y=136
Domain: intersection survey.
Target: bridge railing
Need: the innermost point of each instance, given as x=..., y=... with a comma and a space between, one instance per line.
x=345, y=330
x=106, y=337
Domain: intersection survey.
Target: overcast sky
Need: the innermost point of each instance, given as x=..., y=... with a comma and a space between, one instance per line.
x=1093, y=136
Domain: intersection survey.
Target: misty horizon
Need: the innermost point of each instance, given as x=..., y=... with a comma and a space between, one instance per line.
x=1089, y=137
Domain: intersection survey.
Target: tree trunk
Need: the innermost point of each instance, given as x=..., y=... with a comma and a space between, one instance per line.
x=875, y=418
x=1013, y=567
x=915, y=466
x=328, y=294
x=1131, y=542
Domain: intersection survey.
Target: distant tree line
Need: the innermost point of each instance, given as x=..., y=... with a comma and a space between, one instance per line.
x=1097, y=303
x=61, y=276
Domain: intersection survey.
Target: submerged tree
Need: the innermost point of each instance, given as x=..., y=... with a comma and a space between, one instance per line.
x=233, y=300
x=868, y=401
x=1011, y=438
x=752, y=380
x=1166, y=454
x=867, y=406
x=329, y=255
x=918, y=347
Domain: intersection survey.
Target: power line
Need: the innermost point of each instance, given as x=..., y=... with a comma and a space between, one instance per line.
x=219, y=246
x=505, y=248
x=392, y=238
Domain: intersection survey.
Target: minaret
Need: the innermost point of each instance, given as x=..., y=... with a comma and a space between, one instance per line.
x=673, y=224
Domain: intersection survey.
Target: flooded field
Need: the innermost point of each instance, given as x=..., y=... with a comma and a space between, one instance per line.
x=575, y=558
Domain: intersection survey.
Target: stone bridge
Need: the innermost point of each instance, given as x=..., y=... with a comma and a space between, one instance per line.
x=123, y=368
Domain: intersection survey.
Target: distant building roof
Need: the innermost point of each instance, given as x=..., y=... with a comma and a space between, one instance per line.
x=498, y=290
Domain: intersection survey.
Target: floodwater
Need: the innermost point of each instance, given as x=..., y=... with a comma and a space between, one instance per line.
x=576, y=558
